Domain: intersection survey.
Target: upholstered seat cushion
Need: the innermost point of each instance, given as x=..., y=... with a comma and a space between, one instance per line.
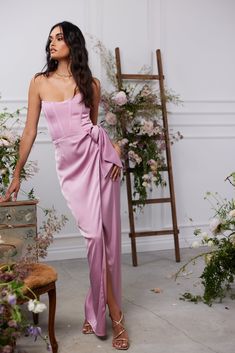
x=40, y=275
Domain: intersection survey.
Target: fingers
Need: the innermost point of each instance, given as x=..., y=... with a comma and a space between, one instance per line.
x=115, y=172
x=13, y=188
x=15, y=195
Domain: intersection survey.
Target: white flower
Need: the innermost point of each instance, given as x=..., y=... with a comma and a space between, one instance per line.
x=35, y=306
x=4, y=142
x=145, y=184
x=210, y=243
x=123, y=142
x=195, y=244
x=145, y=176
x=214, y=224
x=232, y=213
x=39, y=308
x=147, y=127
x=232, y=238
x=154, y=178
x=208, y=258
x=111, y=118
x=134, y=157
x=31, y=305
x=204, y=236
x=120, y=98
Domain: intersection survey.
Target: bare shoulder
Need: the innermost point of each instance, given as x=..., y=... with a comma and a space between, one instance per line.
x=95, y=83
x=37, y=84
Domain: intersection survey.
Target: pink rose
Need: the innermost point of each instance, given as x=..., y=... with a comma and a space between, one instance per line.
x=120, y=98
x=111, y=118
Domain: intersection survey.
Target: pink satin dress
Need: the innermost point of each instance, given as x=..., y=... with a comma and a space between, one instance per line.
x=84, y=156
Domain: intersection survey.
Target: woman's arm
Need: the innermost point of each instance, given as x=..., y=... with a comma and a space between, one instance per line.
x=28, y=137
x=96, y=101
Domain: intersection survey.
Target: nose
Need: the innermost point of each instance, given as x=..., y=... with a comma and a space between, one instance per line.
x=52, y=43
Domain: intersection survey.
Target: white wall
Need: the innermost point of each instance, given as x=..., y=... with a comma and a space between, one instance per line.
x=196, y=39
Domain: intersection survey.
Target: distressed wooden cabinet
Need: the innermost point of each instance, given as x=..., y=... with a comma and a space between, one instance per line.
x=18, y=227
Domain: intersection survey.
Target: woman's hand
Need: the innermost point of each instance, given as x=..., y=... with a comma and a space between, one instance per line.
x=115, y=172
x=13, y=188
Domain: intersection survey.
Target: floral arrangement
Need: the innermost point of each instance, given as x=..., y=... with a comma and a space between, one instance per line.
x=219, y=271
x=133, y=119
x=9, y=149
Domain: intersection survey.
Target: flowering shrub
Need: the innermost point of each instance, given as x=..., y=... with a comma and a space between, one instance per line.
x=219, y=271
x=9, y=149
x=133, y=119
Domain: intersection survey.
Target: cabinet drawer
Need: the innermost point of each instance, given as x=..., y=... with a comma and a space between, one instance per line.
x=15, y=242
x=25, y=214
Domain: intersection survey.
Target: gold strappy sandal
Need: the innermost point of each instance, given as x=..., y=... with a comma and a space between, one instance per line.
x=116, y=339
x=87, y=329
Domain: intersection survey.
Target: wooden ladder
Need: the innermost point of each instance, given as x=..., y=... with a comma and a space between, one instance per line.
x=175, y=231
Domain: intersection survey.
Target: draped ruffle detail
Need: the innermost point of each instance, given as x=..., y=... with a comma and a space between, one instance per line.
x=108, y=154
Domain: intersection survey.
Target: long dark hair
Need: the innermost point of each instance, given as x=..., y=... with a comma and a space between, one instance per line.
x=80, y=70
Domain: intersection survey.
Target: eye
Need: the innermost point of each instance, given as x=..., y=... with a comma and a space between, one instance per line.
x=60, y=38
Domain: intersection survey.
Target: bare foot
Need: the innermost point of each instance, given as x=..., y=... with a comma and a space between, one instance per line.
x=120, y=336
x=87, y=329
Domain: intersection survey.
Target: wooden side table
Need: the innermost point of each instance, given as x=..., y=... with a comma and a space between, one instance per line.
x=18, y=228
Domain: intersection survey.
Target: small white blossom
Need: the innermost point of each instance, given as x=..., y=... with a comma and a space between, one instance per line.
x=204, y=236
x=208, y=258
x=36, y=307
x=145, y=184
x=214, y=224
x=232, y=213
x=210, y=243
x=31, y=305
x=195, y=244
x=145, y=176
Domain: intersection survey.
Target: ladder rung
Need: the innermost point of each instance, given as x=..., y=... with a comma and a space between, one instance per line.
x=140, y=77
x=162, y=169
x=152, y=233
x=149, y=201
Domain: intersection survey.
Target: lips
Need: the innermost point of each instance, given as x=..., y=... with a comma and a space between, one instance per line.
x=52, y=51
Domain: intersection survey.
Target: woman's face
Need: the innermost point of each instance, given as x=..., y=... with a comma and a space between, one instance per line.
x=58, y=48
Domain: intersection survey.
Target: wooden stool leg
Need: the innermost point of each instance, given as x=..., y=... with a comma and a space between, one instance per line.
x=35, y=319
x=51, y=319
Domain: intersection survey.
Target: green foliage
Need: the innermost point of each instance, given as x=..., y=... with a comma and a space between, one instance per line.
x=219, y=271
x=9, y=149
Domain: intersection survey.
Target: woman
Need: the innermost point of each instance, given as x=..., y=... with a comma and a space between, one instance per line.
x=88, y=168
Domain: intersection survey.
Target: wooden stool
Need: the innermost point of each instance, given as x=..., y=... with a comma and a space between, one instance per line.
x=41, y=280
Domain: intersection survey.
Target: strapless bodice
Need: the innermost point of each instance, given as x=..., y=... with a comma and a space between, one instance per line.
x=67, y=118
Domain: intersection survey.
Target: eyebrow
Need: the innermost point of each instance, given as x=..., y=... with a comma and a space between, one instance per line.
x=57, y=35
